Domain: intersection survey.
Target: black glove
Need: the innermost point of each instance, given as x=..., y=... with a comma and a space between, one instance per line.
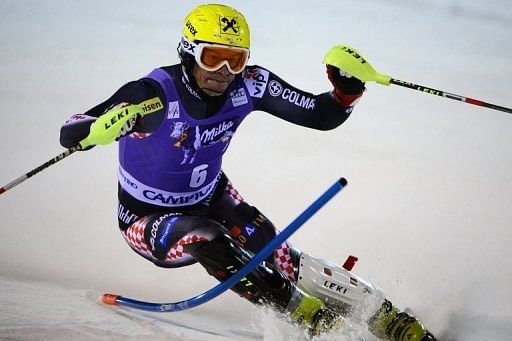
x=347, y=89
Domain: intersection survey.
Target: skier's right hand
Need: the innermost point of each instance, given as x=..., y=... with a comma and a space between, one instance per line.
x=112, y=125
x=347, y=88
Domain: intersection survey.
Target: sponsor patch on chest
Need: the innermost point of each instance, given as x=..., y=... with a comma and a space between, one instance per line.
x=238, y=97
x=174, y=110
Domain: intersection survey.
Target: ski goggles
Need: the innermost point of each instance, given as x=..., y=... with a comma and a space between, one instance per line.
x=212, y=57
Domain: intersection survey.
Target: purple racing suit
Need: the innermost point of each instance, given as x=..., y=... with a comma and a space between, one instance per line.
x=176, y=205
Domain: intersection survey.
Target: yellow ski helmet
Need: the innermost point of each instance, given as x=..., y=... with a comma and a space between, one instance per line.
x=217, y=24
x=212, y=24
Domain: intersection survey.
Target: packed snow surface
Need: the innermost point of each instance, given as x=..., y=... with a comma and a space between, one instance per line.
x=427, y=208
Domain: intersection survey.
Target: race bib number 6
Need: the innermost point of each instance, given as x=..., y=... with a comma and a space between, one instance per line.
x=198, y=176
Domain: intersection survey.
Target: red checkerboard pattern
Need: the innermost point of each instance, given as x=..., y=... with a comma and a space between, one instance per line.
x=134, y=236
x=139, y=135
x=176, y=250
x=283, y=260
x=234, y=193
x=282, y=257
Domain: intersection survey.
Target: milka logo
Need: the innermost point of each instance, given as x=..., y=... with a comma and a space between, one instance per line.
x=210, y=134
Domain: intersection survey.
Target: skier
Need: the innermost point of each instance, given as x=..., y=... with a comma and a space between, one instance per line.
x=176, y=204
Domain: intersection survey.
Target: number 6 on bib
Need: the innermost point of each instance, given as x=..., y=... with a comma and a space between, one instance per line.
x=198, y=176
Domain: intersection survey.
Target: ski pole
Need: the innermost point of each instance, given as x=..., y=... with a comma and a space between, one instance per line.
x=350, y=60
x=113, y=299
x=36, y=170
x=104, y=125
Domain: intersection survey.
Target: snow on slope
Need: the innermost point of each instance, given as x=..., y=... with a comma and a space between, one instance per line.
x=426, y=209
x=75, y=314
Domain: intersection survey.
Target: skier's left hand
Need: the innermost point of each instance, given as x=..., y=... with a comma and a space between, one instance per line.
x=347, y=88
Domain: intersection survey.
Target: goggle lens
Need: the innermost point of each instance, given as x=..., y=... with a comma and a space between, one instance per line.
x=213, y=57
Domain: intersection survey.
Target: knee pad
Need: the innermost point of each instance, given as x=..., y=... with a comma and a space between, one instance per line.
x=339, y=288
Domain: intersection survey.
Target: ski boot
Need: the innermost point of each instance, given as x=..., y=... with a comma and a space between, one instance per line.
x=391, y=324
x=222, y=256
x=308, y=310
x=360, y=301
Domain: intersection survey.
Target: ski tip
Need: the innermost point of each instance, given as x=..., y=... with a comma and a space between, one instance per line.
x=343, y=182
x=110, y=299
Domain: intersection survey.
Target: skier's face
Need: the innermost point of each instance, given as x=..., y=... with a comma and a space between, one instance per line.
x=213, y=83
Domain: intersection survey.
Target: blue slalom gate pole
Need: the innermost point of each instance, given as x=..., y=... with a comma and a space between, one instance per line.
x=236, y=277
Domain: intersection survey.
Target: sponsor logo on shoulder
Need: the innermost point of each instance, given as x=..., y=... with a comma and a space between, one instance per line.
x=174, y=110
x=238, y=97
x=276, y=89
x=151, y=105
x=256, y=82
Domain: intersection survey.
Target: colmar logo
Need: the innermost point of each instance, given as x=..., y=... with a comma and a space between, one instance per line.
x=298, y=99
x=189, y=88
x=276, y=89
x=154, y=229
